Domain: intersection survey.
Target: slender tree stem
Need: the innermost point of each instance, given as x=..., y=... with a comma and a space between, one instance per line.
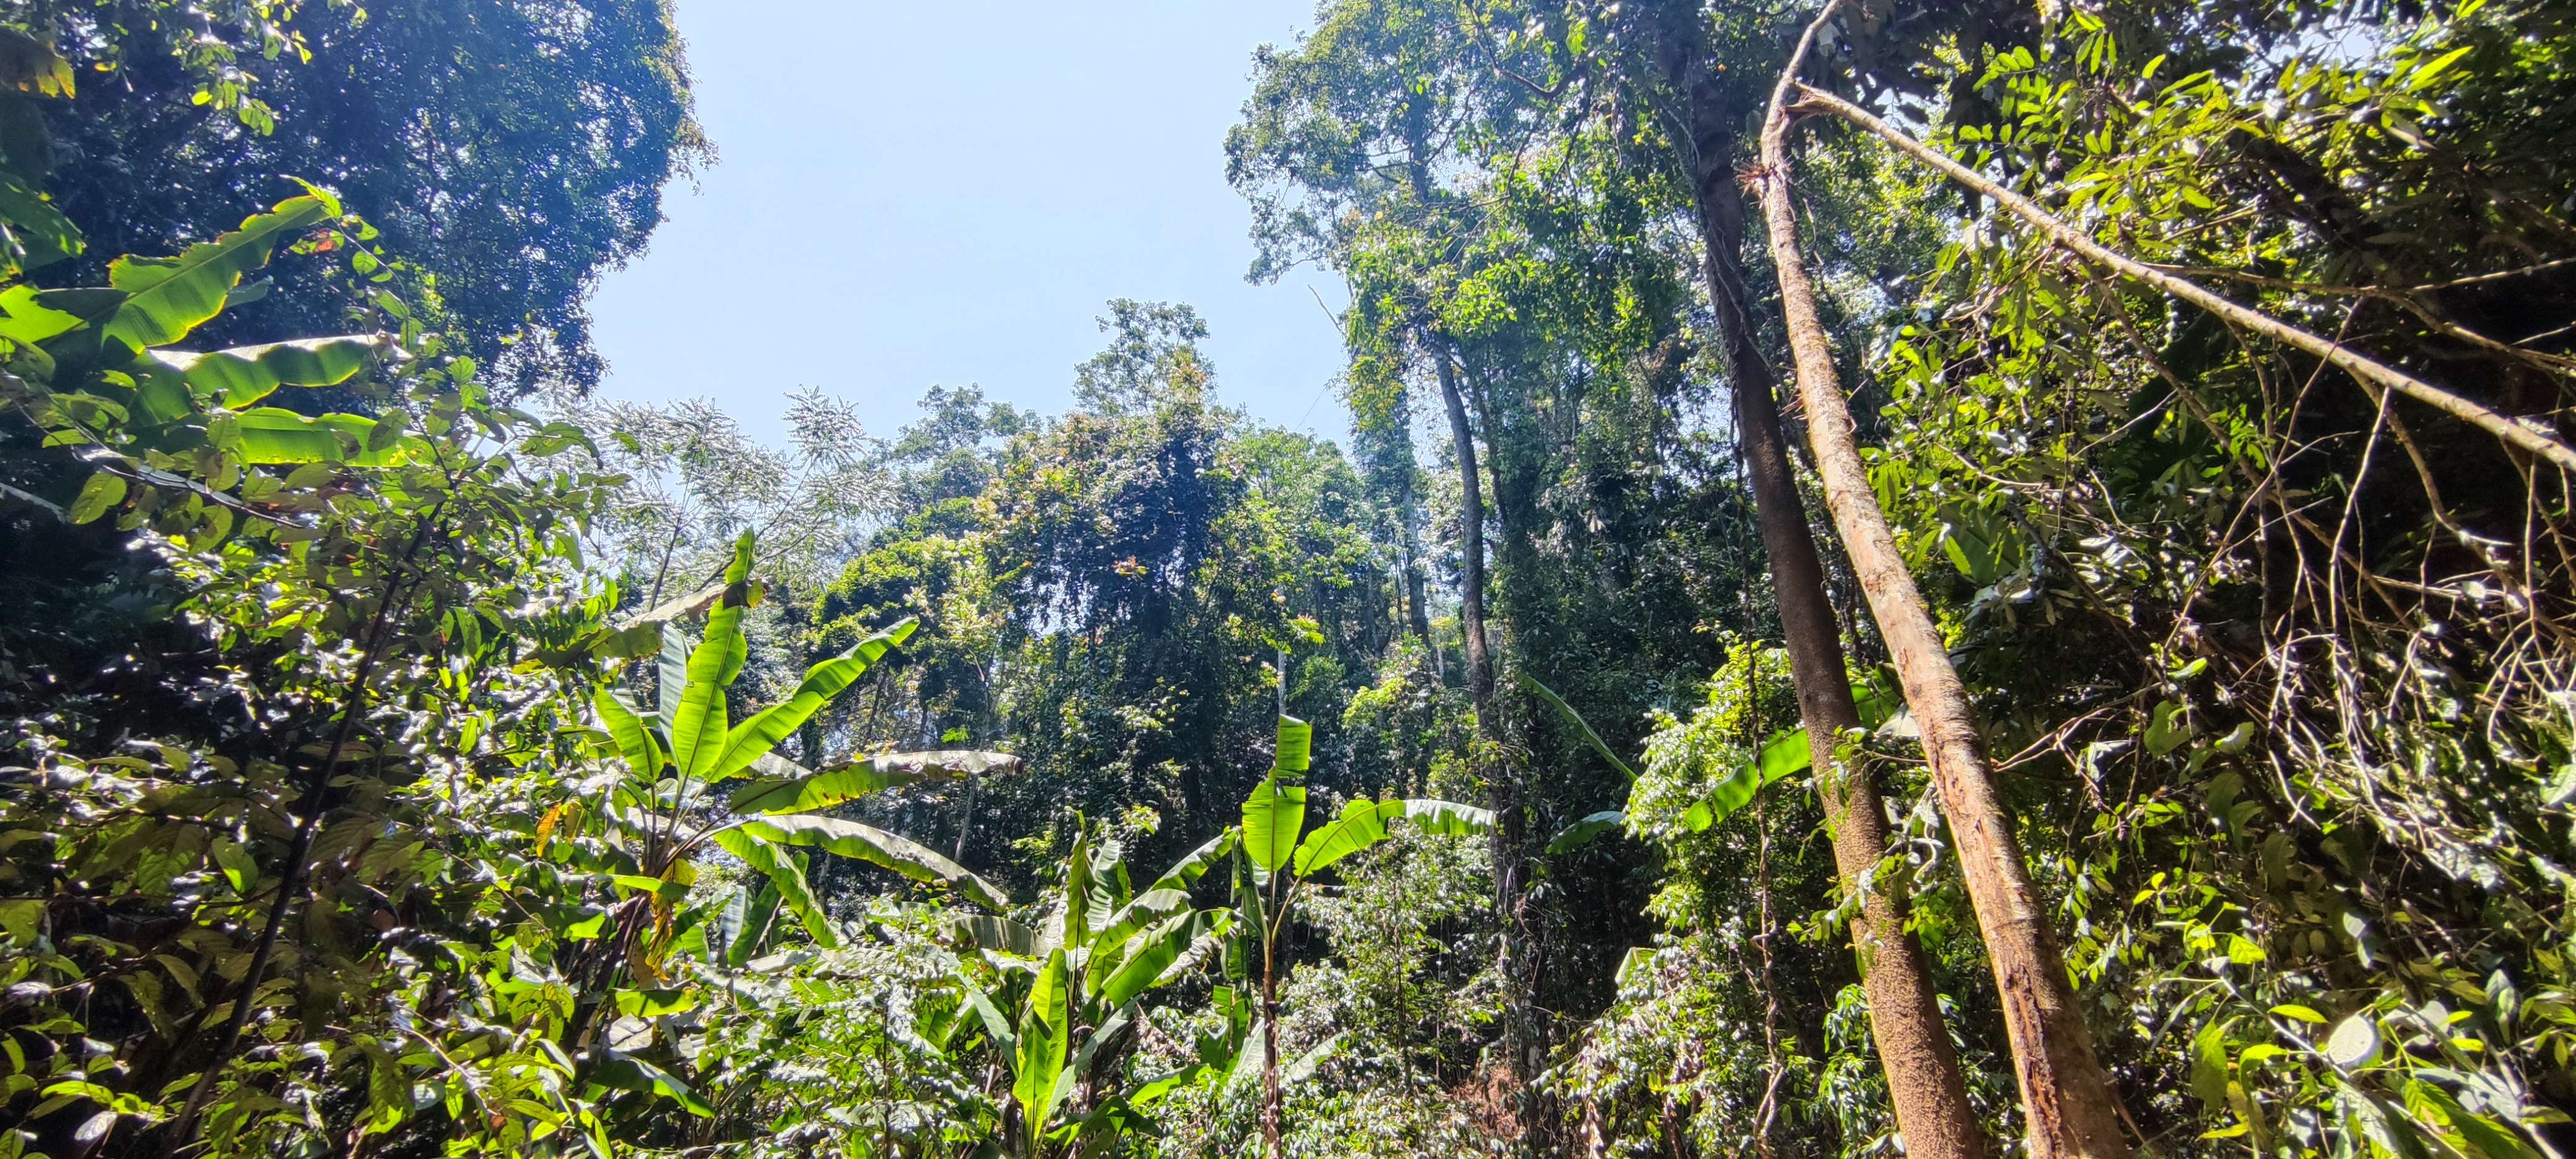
x=398, y=593
x=1270, y=1102
x=2066, y=1093
x=1500, y=793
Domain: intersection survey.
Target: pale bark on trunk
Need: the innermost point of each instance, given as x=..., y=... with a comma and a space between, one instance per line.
x=1914, y=1049
x=2065, y=1092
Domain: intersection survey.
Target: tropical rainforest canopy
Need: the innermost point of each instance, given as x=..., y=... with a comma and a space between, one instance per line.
x=1945, y=579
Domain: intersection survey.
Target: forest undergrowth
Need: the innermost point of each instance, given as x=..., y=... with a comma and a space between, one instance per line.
x=1951, y=580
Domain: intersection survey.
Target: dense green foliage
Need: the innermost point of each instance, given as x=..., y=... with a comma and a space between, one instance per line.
x=510, y=152
x=395, y=772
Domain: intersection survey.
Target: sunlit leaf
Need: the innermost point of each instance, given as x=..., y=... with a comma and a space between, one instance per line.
x=1044, y=1032
x=841, y=784
x=625, y=1072
x=168, y=297
x=1586, y=831
x=1272, y=815
x=635, y=741
x=875, y=846
x=822, y=682
x=698, y=725
x=786, y=873
x=243, y=375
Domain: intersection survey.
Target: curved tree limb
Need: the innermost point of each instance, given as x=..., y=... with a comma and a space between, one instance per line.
x=2371, y=372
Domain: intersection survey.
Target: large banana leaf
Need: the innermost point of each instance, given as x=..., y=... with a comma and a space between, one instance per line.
x=1104, y=1037
x=243, y=375
x=1110, y=945
x=1787, y=753
x=1582, y=727
x=626, y=726
x=1162, y=1085
x=29, y=315
x=1005, y=1039
x=1110, y=892
x=1002, y=935
x=1585, y=831
x=1272, y=815
x=672, y=674
x=1148, y=907
x=1276, y=810
x=1305, y=1065
x=1194, y=864
x=1044, y=1032
x=645, y=631
x=168, y=297
x=698, y=725
x=1249, y=1064
x=1252, y=916
x=1364, y=823
x=1149, y=959
x=33, y=232
x=822, y=682
x=1252, y=1059
x=676, y=608
x=618, y=1071
x=1447, y=817
x=1294, y=750
x=870, y=844
x=1074, y=913
x=844, y=783
x=788, y=874
x=748, y=929
x=273, y=436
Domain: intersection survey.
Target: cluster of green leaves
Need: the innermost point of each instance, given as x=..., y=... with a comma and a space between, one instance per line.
x=353, y=625
x=2265, y=816
x=358, y=846
x=504, y=186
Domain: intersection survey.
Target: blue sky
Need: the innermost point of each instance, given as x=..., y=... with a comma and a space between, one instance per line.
x=910, y=194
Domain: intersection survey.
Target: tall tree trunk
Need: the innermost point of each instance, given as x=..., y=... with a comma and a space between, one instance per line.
x=1914, y=1048
x=1502, y=790
x=1501, y=796
x=1417, y=612
x=2064, y=1090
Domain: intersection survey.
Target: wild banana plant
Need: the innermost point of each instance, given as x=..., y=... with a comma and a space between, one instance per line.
x=1275, y=866
x=663, y=813
x=1057, y=1001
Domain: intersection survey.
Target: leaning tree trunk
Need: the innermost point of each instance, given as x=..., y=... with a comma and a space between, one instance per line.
x=1914, y=1048
x=2064, y=1090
